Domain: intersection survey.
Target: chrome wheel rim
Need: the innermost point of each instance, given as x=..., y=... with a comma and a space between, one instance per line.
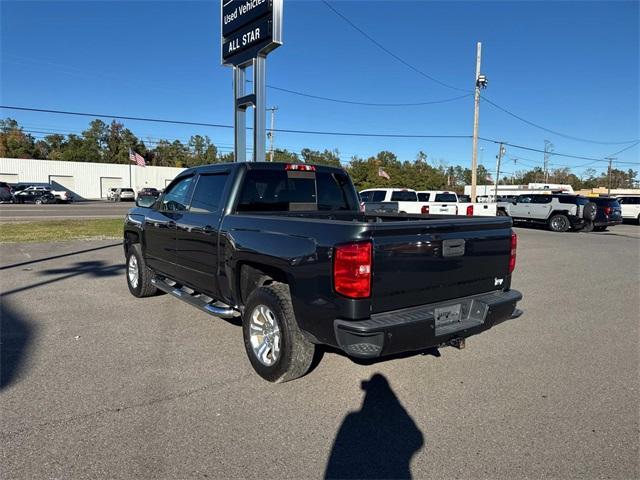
x=264, y=335
x=132, y=271
x=558, y=223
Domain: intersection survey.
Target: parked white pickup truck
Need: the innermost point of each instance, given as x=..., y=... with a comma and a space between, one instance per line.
x=438, y=202
x=441, y=202
x=406, y=199
x=425, y=202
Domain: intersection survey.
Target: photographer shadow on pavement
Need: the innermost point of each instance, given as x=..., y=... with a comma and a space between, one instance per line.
x=378, y=441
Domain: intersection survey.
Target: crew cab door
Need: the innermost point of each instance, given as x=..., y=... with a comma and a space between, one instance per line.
x=197, y=233
x=521, y=208
x=160, y=226
x=540, y=207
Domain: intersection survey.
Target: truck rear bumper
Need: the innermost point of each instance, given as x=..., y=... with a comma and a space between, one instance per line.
x=416, y=328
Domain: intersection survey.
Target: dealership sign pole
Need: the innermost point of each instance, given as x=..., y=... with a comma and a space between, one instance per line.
x=250, y=30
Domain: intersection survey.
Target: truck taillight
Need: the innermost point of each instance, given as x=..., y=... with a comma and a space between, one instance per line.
x=300, y=167
x=469, y=210
x=352, y=269
x=607, y=211
x=512, y=255
x=425, y=210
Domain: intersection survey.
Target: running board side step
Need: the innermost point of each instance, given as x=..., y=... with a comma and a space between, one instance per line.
x=202, y=302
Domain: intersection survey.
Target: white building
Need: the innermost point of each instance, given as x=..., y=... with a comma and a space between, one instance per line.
x=85, y=179
x=506, y=190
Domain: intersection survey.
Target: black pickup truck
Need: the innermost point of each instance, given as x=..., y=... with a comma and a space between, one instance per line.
x=286, y=248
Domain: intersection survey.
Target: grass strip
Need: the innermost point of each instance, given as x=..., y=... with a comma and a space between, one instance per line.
x=60, y=230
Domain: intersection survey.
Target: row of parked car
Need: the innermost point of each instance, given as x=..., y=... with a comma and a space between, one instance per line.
x=558, y=211
x=124, y=194
x=30, y=193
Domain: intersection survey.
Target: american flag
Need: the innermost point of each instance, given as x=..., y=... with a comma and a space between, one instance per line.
x=136, y=158
x=383, y=174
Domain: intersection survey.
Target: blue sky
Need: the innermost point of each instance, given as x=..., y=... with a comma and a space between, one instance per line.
x=569, y=66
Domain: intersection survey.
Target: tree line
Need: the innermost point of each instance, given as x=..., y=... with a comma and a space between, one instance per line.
x=110, y=143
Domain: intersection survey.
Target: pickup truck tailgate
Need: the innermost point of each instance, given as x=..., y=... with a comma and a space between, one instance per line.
x=421, y=262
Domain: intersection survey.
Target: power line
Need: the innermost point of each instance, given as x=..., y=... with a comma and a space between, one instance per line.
x=389, y=52
x=216, y=125
x=559, y=134
x=420, y=72
x=308, y=132
x=369, y=104
x=532, y=149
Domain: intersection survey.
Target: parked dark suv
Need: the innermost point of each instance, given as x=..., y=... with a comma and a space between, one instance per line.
x=609, y=213
x=6, y=193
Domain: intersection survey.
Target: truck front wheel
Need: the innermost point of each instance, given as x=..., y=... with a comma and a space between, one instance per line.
x=138, y=274
x=277, y=349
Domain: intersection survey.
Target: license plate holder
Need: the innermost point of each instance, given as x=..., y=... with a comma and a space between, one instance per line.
x=448, y=315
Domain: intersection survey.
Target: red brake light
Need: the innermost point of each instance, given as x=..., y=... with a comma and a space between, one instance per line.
x=352, y=269
x=425, y=210
x=300, y=167
x=607, y=210
x=512, y=256
x=469, y=210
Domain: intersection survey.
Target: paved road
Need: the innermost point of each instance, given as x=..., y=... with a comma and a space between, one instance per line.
x=77, y=210
x=97, y=383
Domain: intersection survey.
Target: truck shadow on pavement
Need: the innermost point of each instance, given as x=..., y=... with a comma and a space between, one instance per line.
x=378, y=441
x=15, y=337
x=54, y=257
x=94, y=268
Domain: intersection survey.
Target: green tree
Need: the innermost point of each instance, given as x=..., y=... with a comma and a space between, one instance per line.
x=326, y=157
x=203, y=152
x=14, y=143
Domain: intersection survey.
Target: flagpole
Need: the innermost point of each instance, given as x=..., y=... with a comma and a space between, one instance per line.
x=130, y=169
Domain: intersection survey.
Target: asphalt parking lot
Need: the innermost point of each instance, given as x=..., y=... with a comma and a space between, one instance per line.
x=60, y=211
x=97, y=383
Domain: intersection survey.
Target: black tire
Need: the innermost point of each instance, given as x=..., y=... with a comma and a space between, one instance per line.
x=296, y=352
x=589, y=211
x=559, y=223
x=588, y=227
x=601, y=228
x=143, y=287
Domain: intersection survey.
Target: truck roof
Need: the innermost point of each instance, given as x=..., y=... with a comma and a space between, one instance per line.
x=258, y=166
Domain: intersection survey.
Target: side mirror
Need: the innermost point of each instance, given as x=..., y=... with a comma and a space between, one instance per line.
x=145, y=201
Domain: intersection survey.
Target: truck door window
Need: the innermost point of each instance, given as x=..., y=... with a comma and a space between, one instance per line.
x=207, y=195
x=175, y=199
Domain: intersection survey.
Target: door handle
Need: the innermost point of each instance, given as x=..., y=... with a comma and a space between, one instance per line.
x=207, y=229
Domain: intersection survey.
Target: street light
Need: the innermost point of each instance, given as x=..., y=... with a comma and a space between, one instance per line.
x=482, y=81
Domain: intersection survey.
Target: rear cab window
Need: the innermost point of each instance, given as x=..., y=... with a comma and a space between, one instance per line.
x=446, y=197
x=373, y=196
x=423, y=197
x=283, y=191
x=404, y=196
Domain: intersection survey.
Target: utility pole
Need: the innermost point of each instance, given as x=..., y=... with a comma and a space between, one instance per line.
x=476, y=118
x=611, y=159
x=270, y=134
x=501, y=152
x=548, y=148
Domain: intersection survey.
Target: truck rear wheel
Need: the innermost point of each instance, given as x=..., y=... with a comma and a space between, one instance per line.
x=277, y=349
x=138, y=274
